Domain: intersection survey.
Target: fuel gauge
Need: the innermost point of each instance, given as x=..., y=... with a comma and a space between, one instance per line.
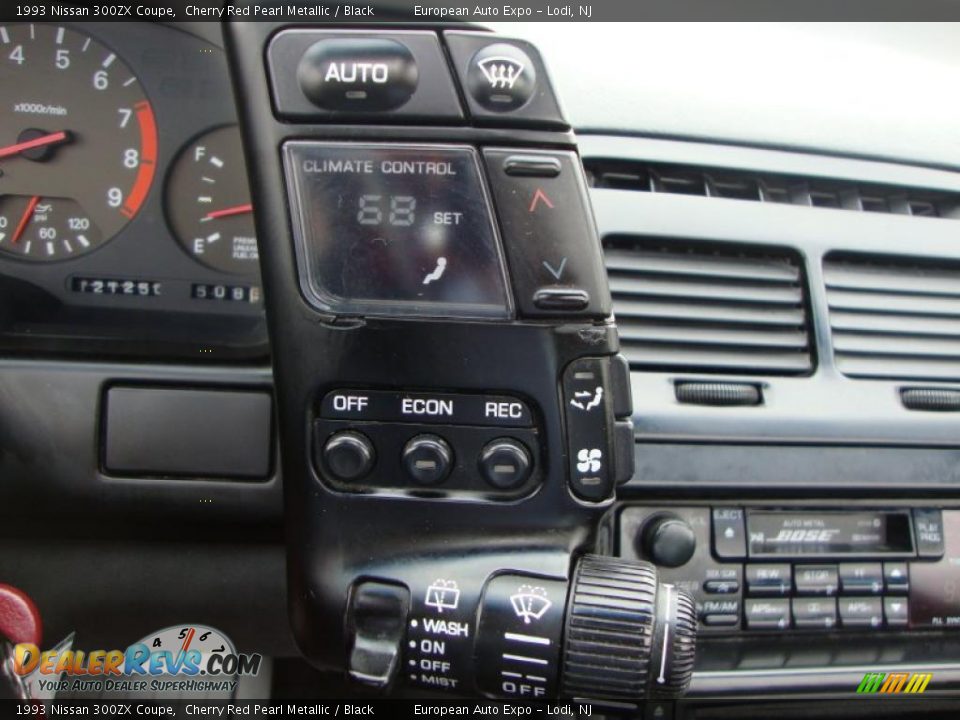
x=208, y=203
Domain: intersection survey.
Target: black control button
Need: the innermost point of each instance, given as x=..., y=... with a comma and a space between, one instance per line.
x=375, y=624
x=929, y=531
x=338, y=74
x=896, y=577
x=560, y=298
x=861, y=612
x=550, y=238
x=726, y=606
x=427, y=459
x=505, y=463
x=625, y=446
x=729, y=537
x=531, y=166
x=896, y=611
x=861, y=578
x=818, y=613
x=433, y=408
x=586, y=393
x=501, y=77
x=767, y=614
x=816, y=579
x=718, y=619
x=668, y=541
x=620, y=387
x=505, y=81
x=348, y=455
x=721, y=587
x=773, y=580
x=357, y=74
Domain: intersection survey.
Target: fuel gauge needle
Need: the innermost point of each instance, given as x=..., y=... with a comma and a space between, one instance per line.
x=27, y=214
x=227, y=212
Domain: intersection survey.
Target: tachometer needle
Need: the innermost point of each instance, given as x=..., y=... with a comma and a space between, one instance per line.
x=27, y=214
x=227, y=212
x=42, y=141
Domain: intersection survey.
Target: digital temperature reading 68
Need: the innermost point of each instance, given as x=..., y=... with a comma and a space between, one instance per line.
x=395, y=229
x=401, y=210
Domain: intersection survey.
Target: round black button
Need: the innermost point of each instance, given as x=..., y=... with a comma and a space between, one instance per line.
x=427, y=459
x=501, y=77
x=348, y=455
x=668, y=541
x=505, y=463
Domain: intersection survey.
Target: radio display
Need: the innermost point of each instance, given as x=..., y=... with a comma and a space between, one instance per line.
x=395, y=230
x=805, y=534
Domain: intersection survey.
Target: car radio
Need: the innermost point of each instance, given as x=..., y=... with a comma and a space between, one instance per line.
x=804, y=569
x=447, y=369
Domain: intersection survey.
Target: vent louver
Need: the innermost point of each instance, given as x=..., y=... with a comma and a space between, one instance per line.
x=894, y=318
x=709, y=310
x=771, y=187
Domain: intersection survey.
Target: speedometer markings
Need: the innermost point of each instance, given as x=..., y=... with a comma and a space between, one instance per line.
x=83, y=241
x=32, y=32
x=208, y=180
x=86, y=44
x=108, y=61
x=129, y=82
x=204, y=199
x=4, y=35
x=59, y=36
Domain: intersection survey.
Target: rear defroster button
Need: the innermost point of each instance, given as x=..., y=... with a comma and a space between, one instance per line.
x=427, y=459
x=505, y=463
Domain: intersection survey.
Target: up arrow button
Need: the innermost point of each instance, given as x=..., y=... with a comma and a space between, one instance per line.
x=540, y=197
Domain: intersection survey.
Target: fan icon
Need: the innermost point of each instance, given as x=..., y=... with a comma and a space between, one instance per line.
x=530, y=603
x=589, y=460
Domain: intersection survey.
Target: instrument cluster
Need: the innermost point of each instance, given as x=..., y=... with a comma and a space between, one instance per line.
x=126, y=225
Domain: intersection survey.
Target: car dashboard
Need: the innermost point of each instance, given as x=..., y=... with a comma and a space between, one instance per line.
x=779, y=244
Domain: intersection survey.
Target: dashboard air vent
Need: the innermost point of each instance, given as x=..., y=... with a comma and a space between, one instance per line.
x=771, y=187
x=894, y=317
x=709, y=309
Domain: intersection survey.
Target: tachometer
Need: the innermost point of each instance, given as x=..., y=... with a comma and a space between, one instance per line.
x=78, y=142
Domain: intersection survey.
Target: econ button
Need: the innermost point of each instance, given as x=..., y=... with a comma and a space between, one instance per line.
x=357, y=74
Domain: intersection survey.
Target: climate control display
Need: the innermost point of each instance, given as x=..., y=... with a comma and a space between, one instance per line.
x=395, y=230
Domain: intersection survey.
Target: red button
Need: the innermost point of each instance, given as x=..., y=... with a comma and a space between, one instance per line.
x=19, y=617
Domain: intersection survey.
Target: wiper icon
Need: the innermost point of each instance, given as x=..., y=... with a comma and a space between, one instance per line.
x=530, y=603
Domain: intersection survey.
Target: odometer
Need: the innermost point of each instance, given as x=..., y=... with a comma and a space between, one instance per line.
x=78, y=142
